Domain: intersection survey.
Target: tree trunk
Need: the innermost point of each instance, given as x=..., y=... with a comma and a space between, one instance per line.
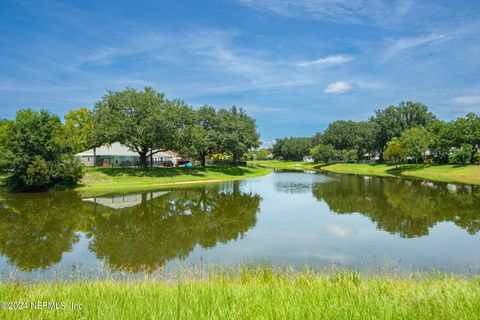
x=203, y=159
x=151, y=158
x=236, y=158
x=143, y=159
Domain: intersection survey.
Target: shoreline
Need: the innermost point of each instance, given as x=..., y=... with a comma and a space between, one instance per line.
x=144, y=180
x=468, y=174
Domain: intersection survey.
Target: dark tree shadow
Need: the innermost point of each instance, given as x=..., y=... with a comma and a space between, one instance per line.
x=397, y=171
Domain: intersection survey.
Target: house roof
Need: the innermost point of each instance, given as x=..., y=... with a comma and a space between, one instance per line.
x=118, y=149
x=115, y=149
x=125, y=201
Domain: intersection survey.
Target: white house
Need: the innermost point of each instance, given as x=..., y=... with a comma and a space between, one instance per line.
x=308, y=159
x=117, y=154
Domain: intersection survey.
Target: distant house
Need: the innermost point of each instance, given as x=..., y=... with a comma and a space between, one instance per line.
x=372, y=156
x=125, y=201
x=117, y=154
x=308, y=159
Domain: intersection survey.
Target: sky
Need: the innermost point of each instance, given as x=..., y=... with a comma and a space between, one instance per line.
x=294, y=65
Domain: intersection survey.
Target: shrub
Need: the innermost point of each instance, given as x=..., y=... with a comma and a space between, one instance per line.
x=34, y=157
x=460, y=155
x=323, y=153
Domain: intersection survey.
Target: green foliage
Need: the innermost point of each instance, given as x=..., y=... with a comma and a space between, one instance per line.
x=4, y=126
x=79, y=130
x=341, y=134
x=228, y=131
x=323, y=153
x=141, y=120
x=350, y=155
x=442, y=142
x=395, y=153
x=423, y=136
x=292, y=149
x=200, y=138
x=461, y=155
x=476, y=158
x=417, y=142
x=255, y=293
x=393, y=120
x=34, y=156
x=237, y=132
x=347, y=135
x=451, y=135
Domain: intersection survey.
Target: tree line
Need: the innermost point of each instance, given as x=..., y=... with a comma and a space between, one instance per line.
x=408, y=132
x=38, y=148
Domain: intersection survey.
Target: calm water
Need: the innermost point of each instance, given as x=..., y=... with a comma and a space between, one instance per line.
x=285, y=218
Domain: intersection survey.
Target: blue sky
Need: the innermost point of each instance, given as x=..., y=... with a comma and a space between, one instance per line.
x=295, y=65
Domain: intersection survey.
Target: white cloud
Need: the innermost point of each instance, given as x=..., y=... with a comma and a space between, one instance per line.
x=255, y=109
x=331, y=60
x=339, y=231
x=467, y=99
x=338, y=87
x=379, y=12
x=266, y=144
x=402, y=44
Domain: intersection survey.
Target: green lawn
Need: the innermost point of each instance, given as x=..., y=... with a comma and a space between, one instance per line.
x=287, y=165
x=446, y=173
x=364, y=169
x=134, y=178
x=253, y=294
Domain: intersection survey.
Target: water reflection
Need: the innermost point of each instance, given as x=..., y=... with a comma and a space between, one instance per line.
x=405, y=207
x=36, y=229
x=305, y=219
x=170, y=226
x=140, y=231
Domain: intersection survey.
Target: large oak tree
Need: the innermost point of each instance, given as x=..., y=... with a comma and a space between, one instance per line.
x=144, y=121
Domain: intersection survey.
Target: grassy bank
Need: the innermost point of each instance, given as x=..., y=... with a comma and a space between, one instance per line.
x=446, y=173
x=254, y=294
x=286, y=165
x=134, y=178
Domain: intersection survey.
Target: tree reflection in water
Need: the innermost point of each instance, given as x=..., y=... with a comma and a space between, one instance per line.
x=170, y=226
x=36, y=229
x=130, y=232
x=144, y=231
x=405, y=207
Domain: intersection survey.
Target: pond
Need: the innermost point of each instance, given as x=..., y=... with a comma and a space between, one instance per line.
x=286, y=218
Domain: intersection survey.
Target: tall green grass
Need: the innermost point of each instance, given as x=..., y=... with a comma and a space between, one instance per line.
x=259, y=293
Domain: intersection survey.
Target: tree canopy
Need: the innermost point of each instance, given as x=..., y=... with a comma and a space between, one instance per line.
x=393, y=120
x=238, y=132
x=417, y=142
x=395, y=153
x=293, y=149
x=34, y=154
x=323, y=153
x=140, y=120
x=79, y=130
x=409, y=131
